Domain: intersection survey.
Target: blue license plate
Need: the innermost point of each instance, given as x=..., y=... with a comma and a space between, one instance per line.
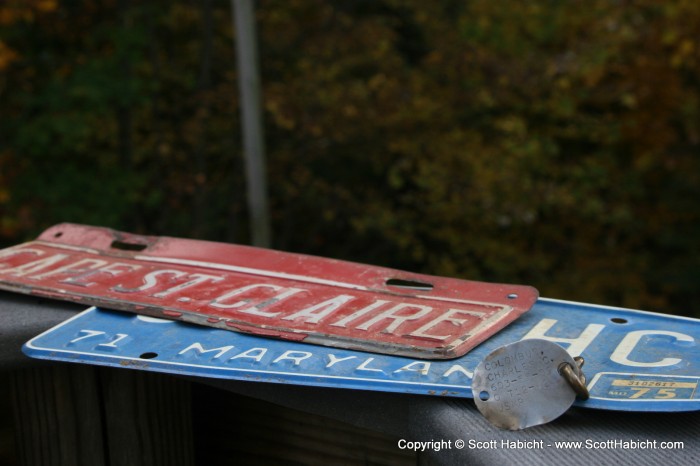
x=635, y=361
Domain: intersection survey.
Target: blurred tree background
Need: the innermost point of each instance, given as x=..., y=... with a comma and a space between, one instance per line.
x=551, y=143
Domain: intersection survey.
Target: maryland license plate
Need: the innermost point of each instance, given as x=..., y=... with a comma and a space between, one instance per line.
x=635, y=361
x=264, y=292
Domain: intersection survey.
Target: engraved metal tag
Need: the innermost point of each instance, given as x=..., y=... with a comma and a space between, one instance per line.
x=520, y=385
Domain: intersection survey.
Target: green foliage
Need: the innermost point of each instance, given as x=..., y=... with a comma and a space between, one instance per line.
x=548, y=143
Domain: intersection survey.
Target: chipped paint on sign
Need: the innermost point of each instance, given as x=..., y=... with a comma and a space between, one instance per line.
x=264, y=292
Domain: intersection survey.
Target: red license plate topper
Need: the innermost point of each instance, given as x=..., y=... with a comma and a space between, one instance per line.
x=264, y=292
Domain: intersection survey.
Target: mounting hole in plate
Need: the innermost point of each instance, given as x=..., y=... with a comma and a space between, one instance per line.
x=149, y=355
x=409, y=284
x=484, y=396
x=618, y=320
x=124, y=246
x=512, y=296
x=58, y=234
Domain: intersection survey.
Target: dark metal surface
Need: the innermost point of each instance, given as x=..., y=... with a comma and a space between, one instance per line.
x=24, y=317
x=420, y=418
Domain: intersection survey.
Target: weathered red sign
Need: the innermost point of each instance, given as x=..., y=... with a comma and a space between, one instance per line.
x=264, y=292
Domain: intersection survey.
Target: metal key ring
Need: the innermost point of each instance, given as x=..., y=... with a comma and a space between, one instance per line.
x=578, y=383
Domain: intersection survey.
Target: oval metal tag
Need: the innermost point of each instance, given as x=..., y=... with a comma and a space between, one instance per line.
x=519, y=385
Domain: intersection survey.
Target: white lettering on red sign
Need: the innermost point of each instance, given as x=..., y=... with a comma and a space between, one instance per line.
x=257, y=298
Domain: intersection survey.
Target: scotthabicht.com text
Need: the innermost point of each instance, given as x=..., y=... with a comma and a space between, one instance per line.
x=587, y=444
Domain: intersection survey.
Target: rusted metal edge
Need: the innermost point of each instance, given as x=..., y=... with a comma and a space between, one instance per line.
x=395, y=312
